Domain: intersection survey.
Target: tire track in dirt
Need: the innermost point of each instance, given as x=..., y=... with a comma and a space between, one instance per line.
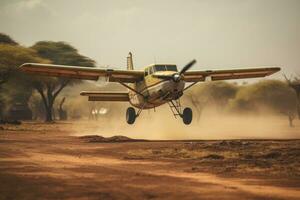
x=156, y=168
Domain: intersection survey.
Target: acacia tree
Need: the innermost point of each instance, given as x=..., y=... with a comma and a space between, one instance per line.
x=49, y=90
x=268, y=94
x=15, y=84
x=295, y=84
x=6, y=39
x=58, y=53
x=216, y=93
x=4, y=74
x=5, y=70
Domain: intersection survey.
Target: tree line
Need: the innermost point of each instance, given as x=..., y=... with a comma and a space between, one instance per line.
x=263, y=97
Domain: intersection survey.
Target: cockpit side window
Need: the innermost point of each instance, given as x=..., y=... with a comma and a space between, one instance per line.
x=146, y=72
x=150, y=70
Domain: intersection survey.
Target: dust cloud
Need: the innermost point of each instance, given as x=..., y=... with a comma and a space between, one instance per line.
x=161, y=125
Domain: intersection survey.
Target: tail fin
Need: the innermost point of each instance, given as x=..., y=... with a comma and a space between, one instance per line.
x=129, y=61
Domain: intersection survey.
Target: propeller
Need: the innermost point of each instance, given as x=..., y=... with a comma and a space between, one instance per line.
x=187, y=67
x=177, y=76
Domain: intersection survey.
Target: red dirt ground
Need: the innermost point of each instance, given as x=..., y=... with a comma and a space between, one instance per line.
x=40, y=161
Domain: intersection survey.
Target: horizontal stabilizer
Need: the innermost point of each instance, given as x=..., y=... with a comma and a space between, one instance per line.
x=106, y=96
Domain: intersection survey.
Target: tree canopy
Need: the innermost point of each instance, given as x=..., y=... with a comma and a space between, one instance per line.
x=58, y=53
x=62, y=53
x=217, y=93
x=268, y=94
x=6, y=39
x=16, y=87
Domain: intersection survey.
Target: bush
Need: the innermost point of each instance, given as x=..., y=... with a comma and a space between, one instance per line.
x=268, y=94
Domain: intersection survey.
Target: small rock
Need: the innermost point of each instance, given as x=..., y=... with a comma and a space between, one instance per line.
x=214, y=157
x=272, y=155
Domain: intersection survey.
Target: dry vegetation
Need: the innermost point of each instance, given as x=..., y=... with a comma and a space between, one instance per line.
x=266, y=158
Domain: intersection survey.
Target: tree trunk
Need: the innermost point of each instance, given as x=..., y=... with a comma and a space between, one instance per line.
x=61, y=112
x=48, y=114
x=298, y=104
x=298, y=109
x=291, y=121
x=52, y=92
x=48, y=105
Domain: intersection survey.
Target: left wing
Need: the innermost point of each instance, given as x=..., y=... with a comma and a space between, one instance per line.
x=87, y=73
x=216, y=75
x=106, y=96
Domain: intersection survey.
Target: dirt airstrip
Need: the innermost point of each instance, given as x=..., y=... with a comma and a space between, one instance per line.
x=44, y=161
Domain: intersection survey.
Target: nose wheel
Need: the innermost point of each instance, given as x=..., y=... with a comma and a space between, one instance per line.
x=186, y=114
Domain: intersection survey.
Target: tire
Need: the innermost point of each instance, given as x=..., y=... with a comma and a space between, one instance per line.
x=130, y=115
x=187, y=116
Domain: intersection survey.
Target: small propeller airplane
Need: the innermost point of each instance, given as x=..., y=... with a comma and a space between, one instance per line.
x=156, y=85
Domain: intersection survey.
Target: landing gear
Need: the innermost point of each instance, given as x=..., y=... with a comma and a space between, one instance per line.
x=130, y=115
x=186, y=115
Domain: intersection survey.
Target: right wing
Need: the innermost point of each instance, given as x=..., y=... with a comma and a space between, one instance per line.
x=106, y=96
x=87, y=73
x=217, y=75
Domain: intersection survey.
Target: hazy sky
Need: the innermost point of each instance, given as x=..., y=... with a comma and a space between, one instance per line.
x=218, y=33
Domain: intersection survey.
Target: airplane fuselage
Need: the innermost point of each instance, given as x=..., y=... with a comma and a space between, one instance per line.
x=154, y=91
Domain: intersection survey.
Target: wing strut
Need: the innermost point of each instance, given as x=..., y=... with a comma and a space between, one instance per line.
x=191, y=85
x=130, y=88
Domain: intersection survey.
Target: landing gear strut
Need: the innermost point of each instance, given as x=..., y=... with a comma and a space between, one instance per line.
x=186, y=115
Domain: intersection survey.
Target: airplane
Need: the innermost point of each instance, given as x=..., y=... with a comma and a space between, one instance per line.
x=156, y=85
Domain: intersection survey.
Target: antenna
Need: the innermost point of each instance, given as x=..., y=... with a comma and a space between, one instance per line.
x=154, y=57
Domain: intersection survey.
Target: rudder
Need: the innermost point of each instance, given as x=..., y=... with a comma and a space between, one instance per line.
x=129, y=61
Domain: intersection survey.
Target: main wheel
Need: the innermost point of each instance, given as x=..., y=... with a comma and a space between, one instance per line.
x=187, y=116
x=130, y=115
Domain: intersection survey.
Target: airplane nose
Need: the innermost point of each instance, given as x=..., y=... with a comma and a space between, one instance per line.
x=176, y=77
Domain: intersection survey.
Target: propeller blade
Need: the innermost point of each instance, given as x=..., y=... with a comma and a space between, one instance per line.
x=187, y=67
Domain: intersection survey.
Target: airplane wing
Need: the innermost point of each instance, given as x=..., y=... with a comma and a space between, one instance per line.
x=87, y=73
x=106, y=96
x=216, y=75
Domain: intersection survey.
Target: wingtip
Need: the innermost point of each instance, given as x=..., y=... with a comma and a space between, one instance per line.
x=23, y=66
x=26, y=64
x=83, y=93
x=277, y=69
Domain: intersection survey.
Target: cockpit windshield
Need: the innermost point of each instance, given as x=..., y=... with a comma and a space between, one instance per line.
x=158, y=68
x=171, y=68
